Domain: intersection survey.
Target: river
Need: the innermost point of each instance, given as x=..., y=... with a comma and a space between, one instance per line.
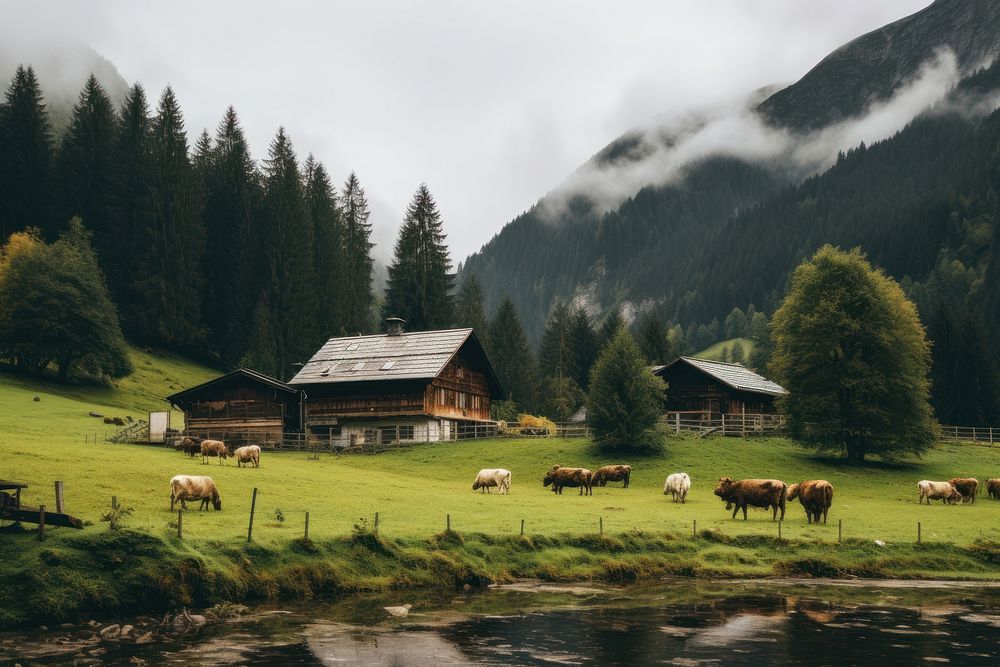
x=673, y=622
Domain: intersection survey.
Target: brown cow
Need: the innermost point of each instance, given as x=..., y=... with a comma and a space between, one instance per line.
x=993, y=488
x=211, y=448
x=967, y=486
x=560, y=477
x=190, y=445
x=815, y=495
x=766, y=493
x=615, y=473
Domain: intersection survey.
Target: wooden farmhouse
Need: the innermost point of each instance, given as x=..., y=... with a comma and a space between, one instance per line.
x=708, y=390
x=421, y=386
x=355, y=391
x=244, y=406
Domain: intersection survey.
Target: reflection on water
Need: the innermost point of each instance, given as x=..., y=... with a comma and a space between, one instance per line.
x=677, y=623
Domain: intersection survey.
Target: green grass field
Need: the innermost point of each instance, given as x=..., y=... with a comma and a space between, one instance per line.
x=725, y=347
x=413, y=491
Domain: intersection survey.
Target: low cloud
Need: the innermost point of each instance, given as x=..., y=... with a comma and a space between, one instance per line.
x=663, y=151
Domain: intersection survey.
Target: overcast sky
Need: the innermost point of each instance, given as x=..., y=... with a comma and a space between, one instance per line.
x=492, y=104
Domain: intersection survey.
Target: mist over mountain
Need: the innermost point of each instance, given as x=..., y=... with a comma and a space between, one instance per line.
x=638, y=227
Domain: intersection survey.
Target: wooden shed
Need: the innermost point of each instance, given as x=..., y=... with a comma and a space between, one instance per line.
x=241, y=406
x=709, y=389
x=419, y=386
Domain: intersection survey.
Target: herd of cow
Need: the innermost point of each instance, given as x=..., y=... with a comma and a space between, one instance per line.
x=815, y=496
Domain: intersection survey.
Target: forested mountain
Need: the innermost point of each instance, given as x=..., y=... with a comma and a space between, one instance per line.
x=724, y=229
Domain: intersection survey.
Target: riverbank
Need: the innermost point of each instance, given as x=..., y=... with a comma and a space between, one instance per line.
x=108, y=572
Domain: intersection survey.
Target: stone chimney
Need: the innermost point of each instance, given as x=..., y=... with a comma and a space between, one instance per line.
x=395, y=326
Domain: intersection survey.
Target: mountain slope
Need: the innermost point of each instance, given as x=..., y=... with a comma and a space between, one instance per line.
x=663, y=246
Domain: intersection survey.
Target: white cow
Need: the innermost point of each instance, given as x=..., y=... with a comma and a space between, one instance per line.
x=247, y=455
x=677, y=485
x=194, y=487
x=938, y=491
x=490, y=477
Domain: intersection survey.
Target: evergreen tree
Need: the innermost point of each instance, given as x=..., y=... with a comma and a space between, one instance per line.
x=584, y=347
x=328, y=230
x=235, y=248
x=85, y=167
x=736, y=353
x=469, y=309
x=652, y=334
x=625, y=400
x=290, y=278
x=609, y=329
x=168, y=279
x=556, y=354
x=55, y=308
x=851, y=351
x=25, y=158
x=420, y=280
x=966, y=387
x=561, y=397
x=735, y=324
x=358, y=258
x=760, y=335
x=131, y=208
x=511, y=356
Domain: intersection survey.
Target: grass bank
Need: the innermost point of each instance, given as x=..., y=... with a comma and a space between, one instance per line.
x=414, y=490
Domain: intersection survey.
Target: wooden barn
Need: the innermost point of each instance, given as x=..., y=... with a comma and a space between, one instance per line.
x=242, y=406
x=708, y=390
x=396, y=387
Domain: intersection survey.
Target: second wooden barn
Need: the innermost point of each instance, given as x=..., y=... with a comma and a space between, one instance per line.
x=397, y=387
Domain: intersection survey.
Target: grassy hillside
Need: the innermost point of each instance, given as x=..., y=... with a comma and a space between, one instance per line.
x=414, y=490
x=725, y=347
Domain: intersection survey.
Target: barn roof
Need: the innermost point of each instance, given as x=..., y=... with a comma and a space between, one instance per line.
x=418, y=355
x=222, y=379
x=736, y=376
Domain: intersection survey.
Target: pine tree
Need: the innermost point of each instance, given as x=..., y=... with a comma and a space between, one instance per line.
x=290, y=287
x=652, y=334
x=85, y=167
x=328, y=230
x=469, y=308
x=966, y=387
x=358, y=258
x=511, y=356
x=168, y=276
x=625, y=400
x=609, y=329
x=851, y=351
x=25, y=159
x=235, y=249
x=584, y=347
x=556, y=354
x=735, y=325
x=131, y=207
x=420, y=280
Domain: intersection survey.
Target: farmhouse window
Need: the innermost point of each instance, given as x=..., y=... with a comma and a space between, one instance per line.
x=406, y=432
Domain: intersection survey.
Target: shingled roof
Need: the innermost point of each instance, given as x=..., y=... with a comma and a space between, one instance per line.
x=253, y=375
x=736, y=376
x=418, y=355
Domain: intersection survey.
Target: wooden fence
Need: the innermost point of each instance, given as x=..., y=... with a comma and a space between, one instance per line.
x=707, y=424
x=988, y=435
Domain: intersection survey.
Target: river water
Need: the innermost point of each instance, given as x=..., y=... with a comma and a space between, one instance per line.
x=675, y=622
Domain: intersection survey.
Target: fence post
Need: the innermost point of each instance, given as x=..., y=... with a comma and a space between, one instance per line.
x=41, y=522
x=376, y=523
x=918, y=532
x=694, y=528
x=448, y=523
x=59, y=497
x=602, y=525
x=114, y=502
x=522, y=527
x=307, y=527
x=253, y=506
x=180, y=524
x=840, y=530
x=723, y=424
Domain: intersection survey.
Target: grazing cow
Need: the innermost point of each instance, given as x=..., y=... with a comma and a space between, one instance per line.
x=967, y=486
x=993, y=488
x=766, y=493
x=211, y=448
x=938, y=491
x=560, y=477
x=190, y=445
x=488, y=478
x=677, y=485
x=247, y=455
x=815, y=495
x=194, y=487
x=615, y=473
